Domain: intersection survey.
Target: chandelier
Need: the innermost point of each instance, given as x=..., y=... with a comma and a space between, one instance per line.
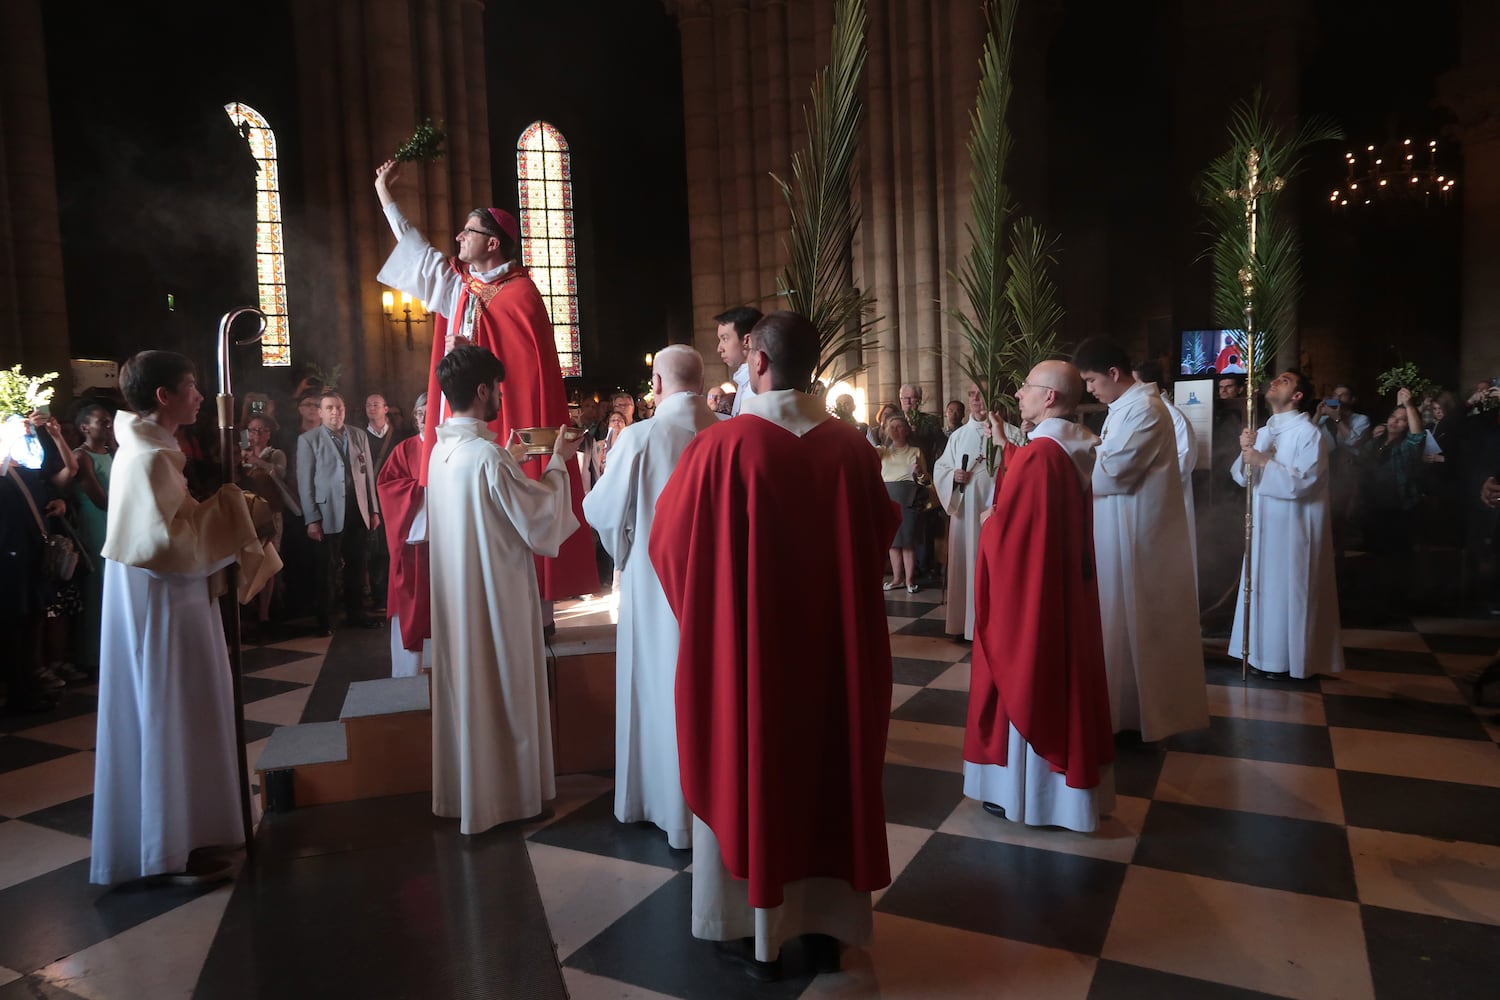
x=1391, y=173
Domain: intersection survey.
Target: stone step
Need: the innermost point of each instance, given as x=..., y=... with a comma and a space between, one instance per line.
x=386, y=696
x=301, y=745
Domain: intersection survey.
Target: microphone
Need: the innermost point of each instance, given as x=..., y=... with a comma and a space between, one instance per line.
x=965, y=467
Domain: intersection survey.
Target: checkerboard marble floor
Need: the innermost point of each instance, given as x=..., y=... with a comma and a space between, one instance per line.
x=1323, y=838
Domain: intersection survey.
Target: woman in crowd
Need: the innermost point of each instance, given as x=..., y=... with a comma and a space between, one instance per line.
x=901, y=466
x=95, y=456
x=877, y=429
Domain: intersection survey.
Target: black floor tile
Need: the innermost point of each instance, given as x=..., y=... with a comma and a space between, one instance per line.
x=1220, y=669
x=256, y=730
x=1045, y=897
x=381, y=899
x=59, y=913
x=1396, y=715
x=906, y=670
x=652, y=946
x=264, y=657
x=1275, y=852
x=356, y=654
x=1469, y=645
x=924, y=626
x=256, y=688
x=1395, y=661
x=898, y=608
x=1415, y=955
x=1118, y=981
x=17, y=752
x=34, y=988
x=1137, y=767
x=943, y=708
x=75, y=817
x=1282, y=742
x=920, y=796
x=1444, y=810
x=70, y=705
x=592, y=828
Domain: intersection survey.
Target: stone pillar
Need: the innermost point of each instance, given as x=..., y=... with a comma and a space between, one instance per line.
x=1473, y=93
x=369, y=72
x=33, y=307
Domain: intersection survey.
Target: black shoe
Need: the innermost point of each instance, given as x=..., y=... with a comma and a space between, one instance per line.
x=992, y=809
x=741, y=952
x=1268, y=675
x=372, y=623
x=822, y=953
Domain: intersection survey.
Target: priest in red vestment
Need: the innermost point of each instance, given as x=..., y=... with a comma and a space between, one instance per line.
x=1039, y=744
x=403, y=500
x=484, y=296
x=769, y=541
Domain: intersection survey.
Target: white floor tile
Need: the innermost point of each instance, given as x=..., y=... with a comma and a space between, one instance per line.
x=1257, y=786
x=583, y=986
x=912, y=959
x=584, y=893
x=903, y=842
x=1266, y=704
x=1279, y=942
x=283, y=709
x=298, y=672
x=1385, y=684
x=927, y=647
x=8, y=975
x=1442, y=878
x=27, y=851
x=1458, y=626
x=924, y=744
x=955, y=678
x=1471, y=762
x=79, y=732
x=160, y=958
x=1115, y=840
x=49, y=783
x=901, y=694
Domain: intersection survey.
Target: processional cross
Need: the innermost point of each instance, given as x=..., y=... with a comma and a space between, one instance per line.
x=1250, y=194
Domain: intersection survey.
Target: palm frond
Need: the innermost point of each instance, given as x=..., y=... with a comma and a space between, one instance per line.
x=818, y=278
x=1276, y=266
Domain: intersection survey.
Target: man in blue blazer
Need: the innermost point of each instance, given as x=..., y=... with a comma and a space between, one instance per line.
x=333, y=464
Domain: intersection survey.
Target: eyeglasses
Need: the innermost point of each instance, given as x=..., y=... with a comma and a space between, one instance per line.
x=476, y=232
x=1033, y=385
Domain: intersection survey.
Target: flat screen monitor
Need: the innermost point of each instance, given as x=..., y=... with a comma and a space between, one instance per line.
x=1218, y=352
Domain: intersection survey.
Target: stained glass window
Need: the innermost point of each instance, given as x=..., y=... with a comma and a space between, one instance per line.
x=545, y=181
x=270, y=254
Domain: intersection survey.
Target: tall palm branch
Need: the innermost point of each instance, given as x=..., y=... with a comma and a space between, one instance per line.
x=818, y=278
x=1013, y=314
x=1276, y=267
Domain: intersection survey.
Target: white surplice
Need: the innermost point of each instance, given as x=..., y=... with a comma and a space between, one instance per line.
x=166, y=776
x=1147, y=597
x=648, y=783
x=1294, y=607
x=963, y=508
x=1187, y=461
x=491, y=729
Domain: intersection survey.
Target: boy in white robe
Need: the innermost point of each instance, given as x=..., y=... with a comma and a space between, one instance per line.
x=166, y=777
x=1294, y=607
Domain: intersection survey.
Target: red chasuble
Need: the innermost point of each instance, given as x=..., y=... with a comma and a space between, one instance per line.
x=770, y=550
x=1038, y=646
x=407, y=595
x=513, y=324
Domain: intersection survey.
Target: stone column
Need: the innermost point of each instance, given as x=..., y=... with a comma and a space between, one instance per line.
x=1473, y=93
x=33, y=307
x=369, y=72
